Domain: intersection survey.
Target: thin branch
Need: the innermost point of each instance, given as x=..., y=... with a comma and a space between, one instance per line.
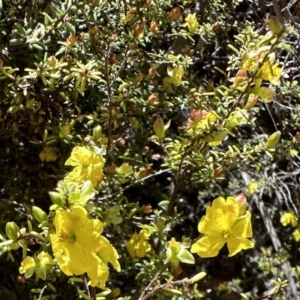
x=86, y=285
x=135, y=183
x=152, y=281
x=109, y=98
x=42, y=291
x=171, y=284
x=277, y=11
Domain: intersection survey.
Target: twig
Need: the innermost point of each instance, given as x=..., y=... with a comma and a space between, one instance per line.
x=134, y=183
x=127, y=51
x=171, y=284
x=277, y=11
x=86, y=285
x=109, y=98
x=152, y=281
x=42, y=291
x=94, y=297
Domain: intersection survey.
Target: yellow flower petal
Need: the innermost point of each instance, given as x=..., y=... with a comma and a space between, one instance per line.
x=138, y=245
x=48, y=154
x=288, y=218
x=108, y=253
x=27, y=264
x=208, y=246
x=236, y=245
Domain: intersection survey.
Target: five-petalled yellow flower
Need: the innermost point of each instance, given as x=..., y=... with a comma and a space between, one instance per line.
x=226, y=221
x=79, y=248
x=88, y=166
x=40, y=265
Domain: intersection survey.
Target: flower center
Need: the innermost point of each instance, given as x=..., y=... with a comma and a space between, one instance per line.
x=226, y=234
x=85, y=161
x=66, y=238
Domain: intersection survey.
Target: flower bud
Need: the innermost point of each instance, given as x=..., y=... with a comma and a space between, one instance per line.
x=151, y=73
x=112, y=58
x=93, y=31
x=12, y=230
x=160, y=225
x=39, y=214
x=159, y=128
x=113, y=36
x=242, y=203
x=174, y=14
x=137, y=79
x=153, y=27
x=138, y=29
x=143, y=173
x=152, y=100
x=240, y=77
x=95, y=3
x=71, y=41
x=215, y=27
x=198, y=277
x=128, y=17
x=297, y=137
x=147, y=209
x=52, y=61
x=147, y=3
x=218, y=172
x=273, y=140
x=196, y=116
x=251, y=102
x=111, y=169
x=57, y=198
x=97, y=131
x=274, y=25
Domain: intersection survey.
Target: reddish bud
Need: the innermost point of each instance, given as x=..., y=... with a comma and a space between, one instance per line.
x=72, y=40
x=112, y=58
x=218, y=172
x=52, y=61
x=138, y=29
x=93, y=31
x=152, y=99
x=174, y=14
x=147, y=209
x=153, y=27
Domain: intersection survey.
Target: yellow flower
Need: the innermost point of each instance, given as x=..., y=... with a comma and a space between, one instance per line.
x=296, y=234
x=79, y=248
x=105, y=253
x=138, y=245
x=88, y=166
x=39, y=265
x=289, y=218
x=192, y=23
x=223, y=224
x=76, y=240
x=48, y=154
x=271, y=73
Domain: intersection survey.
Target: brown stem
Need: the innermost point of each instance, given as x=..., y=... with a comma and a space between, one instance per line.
x=152, y=281
x=110, y=106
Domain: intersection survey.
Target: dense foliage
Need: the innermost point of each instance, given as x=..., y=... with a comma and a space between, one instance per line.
x=138, y=138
